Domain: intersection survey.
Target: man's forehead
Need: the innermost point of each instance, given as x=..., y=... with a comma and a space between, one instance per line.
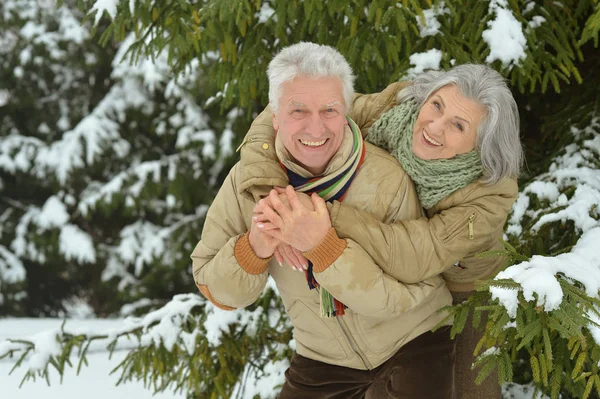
x=293, y=103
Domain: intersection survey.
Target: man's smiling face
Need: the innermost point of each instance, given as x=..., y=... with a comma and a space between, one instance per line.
x=311, y=120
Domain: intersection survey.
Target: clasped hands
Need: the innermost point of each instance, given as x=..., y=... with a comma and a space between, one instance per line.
x=286, y=224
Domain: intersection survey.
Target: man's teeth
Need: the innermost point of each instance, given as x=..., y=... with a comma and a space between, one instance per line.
x=313, y=143
x=429, y=139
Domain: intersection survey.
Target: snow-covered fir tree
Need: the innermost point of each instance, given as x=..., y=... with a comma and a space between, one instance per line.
x=106, y=167
x=110, y=154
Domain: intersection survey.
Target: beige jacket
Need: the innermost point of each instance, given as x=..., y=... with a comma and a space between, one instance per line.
x=383, y=314
x=468, y=222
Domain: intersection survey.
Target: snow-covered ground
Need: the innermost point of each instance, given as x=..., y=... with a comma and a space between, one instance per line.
x=94, y=380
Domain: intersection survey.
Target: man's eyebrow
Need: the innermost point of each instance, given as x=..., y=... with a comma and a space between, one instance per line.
x=331, y=104
x=296, y=104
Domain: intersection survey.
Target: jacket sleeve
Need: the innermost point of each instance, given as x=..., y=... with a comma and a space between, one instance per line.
x=415, y=250
x=258, y=150
x=367, y=108
x=359, y=281
x=217, y=271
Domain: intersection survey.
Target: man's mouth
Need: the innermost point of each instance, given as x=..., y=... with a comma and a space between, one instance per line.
x=313, y=143
x=430, y=139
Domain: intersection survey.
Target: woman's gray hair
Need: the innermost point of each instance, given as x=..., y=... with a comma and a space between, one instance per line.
x=308, y=60
x=498, y=141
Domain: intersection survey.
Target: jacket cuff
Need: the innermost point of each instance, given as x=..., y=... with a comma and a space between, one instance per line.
x=206, y=293
x=245, y=256
x=327, y=252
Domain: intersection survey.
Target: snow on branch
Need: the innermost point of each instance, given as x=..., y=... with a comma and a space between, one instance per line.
x=569, y=191
x=504, y=35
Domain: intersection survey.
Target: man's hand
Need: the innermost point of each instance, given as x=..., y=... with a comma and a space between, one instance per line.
x=291, y=256
x=294, y=223
x=262, y=244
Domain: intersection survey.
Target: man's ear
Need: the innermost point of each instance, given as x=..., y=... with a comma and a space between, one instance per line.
x=275, y=122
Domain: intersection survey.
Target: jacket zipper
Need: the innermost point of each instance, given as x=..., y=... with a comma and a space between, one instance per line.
x=353, y=345
x=471, y=232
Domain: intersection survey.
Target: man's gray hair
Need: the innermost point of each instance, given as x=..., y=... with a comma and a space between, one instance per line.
x=498, y=141
x=308, y=60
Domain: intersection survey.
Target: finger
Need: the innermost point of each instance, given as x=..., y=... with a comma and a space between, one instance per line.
x=270, y=215
x=319, y=204
x=280, y=190
x=278, y=256
x=260, y=217
x=276, y=234
x=267, y=226
x=261, y=205
x=301, y=259
x=283, y=211
x=293, y=198
x=291, y=258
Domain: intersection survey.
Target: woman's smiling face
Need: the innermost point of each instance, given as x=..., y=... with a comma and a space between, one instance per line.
x=447, y=125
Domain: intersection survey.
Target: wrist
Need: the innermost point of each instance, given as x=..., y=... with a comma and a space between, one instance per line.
x=259, y=250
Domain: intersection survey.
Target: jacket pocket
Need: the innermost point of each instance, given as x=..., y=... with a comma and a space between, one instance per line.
x=464, y=227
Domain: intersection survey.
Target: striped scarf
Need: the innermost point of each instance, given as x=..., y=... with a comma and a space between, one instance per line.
x=331, y=187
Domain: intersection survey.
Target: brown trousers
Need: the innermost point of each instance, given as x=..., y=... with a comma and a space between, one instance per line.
x=466, y=342
x=421, y=369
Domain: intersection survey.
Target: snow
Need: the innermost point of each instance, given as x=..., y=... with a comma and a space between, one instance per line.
x=265, y=12
x=76, y=244
x=428, y=60
x=53, y=214
x=84, y=142
x=538, y=276
x=95, y=379
x=11, y=268
x=431, y=25
x=504, y=36
x=102, y=6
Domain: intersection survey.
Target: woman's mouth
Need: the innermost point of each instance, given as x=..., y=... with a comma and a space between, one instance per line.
x=430, y=140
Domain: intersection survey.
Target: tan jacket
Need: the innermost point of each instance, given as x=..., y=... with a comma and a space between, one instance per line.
x=468, y=222
x=383, y=314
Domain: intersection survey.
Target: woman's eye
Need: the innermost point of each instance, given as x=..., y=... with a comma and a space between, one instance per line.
x=459, y=127
x=437, y=105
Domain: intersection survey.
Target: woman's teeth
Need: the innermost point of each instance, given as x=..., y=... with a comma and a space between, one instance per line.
x=313, y=143
x=430, y=140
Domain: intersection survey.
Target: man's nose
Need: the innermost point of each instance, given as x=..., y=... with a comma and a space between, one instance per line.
x=316, y=127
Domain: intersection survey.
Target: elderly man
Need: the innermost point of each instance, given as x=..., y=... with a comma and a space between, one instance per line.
x=354, y=326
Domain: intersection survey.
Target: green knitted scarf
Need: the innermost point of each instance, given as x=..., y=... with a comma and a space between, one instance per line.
x=434, y=179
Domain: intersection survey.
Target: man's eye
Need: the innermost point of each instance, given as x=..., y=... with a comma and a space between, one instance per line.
x=299, y=111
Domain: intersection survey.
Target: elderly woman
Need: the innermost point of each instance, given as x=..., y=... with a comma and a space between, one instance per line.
x=456, y=134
